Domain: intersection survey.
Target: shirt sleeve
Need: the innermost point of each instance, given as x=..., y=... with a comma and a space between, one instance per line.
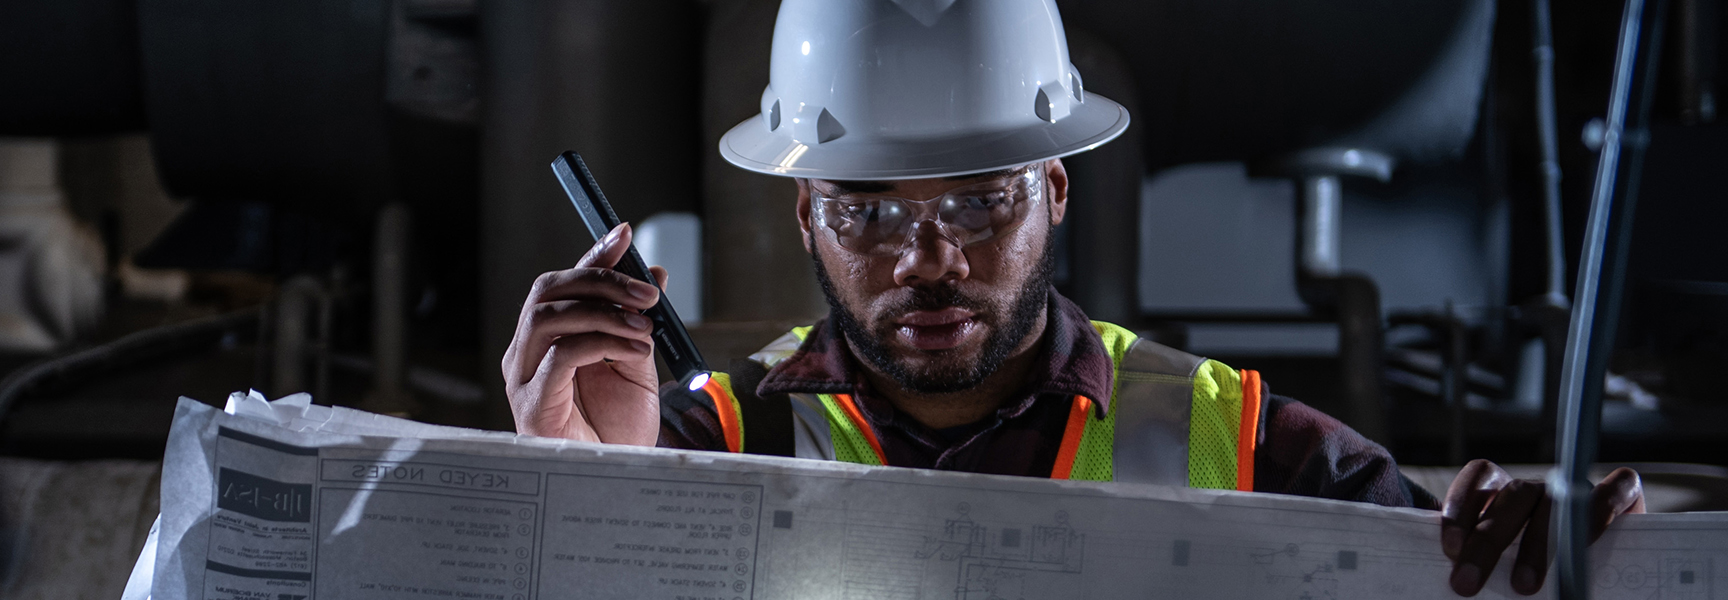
x=1304, y=452
x=688, y=420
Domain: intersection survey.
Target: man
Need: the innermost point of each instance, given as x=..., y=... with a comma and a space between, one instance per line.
x=926, y=137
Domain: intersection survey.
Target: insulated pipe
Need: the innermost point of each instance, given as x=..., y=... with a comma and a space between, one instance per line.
x=1361, y=343
x=1590, y=338
x=1323, y=201
x=1352, y=299
x=149, y=344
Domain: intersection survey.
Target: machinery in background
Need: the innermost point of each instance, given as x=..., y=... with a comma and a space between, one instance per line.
x=52, y=266
x=384, y=174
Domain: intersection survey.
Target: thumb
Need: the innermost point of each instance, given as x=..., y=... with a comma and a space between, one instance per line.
x=608, y=250
x=660, y=276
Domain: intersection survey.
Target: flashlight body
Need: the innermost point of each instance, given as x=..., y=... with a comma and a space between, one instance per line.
x=671, y=340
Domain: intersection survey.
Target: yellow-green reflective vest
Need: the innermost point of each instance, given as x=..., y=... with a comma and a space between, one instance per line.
x=1174, y=419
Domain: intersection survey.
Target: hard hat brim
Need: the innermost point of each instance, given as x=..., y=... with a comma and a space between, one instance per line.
x=751, y=146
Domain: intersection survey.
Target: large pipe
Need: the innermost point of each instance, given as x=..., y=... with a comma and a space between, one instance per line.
x=1361, y=344
x=1352, y=299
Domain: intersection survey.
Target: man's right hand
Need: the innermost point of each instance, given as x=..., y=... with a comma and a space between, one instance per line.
x=581, y=365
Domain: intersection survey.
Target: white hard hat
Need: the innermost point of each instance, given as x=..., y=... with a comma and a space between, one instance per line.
x=905, y=89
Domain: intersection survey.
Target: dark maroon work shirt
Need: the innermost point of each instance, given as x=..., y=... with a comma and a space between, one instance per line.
x=1301, y=451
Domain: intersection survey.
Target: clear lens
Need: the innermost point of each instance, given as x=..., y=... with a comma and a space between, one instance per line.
x=863, y=224
x=967, y=215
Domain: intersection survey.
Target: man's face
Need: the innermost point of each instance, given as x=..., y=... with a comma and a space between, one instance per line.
x=938, y=317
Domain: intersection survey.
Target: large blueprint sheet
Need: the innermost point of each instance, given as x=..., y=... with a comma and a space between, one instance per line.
x=286, y=501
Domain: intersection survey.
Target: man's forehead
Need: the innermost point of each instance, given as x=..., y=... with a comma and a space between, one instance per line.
x=878, y=187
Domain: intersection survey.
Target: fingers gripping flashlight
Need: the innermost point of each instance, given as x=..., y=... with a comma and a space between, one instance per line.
x=671, y=340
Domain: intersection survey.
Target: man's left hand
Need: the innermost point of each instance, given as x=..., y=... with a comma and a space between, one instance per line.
x=1486, y=509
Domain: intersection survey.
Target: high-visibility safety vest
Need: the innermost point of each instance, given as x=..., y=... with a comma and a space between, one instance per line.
x=1174, y=419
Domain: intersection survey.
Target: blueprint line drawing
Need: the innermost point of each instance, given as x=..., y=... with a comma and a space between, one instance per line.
x=1667, y=578
x=411, y=511
x=1009, y=562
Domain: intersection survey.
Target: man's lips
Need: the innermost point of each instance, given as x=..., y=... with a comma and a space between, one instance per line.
x=929, y=318
x=936, y=329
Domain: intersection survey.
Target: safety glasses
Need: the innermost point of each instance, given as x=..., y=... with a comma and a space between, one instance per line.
x=877, y=225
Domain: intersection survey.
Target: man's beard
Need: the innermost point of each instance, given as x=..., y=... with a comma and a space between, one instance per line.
x=941, y=379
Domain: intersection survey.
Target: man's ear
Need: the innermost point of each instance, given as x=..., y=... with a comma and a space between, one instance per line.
x=1056, y=181
x=804, y=211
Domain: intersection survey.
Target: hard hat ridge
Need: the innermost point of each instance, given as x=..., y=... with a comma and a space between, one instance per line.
x=926, y=11
x=896, y=89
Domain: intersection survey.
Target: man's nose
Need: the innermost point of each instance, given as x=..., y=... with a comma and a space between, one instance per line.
x=932, y=257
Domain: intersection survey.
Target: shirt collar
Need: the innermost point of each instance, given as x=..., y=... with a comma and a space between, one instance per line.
x=1072, y=360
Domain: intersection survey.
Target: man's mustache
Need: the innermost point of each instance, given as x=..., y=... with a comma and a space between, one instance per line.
x=935, y=298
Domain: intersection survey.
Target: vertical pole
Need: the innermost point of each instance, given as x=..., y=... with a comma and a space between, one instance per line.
x=1587, y=345
x=261, y=361
x=293, y=309
x=1548, y=132
x=389, y=311
x=1547, y=309
x=326, y=315
x=1454, y=378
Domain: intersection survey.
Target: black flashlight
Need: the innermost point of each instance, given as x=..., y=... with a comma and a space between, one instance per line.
x=670, y=338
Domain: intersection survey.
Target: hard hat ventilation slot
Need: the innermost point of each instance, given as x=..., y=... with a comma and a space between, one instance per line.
x=828, y=128
x=770, y=104
x=1052, y=103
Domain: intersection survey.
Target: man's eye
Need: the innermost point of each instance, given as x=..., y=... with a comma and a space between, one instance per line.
x=856, y=212
x=986, y=201
x=871, y=211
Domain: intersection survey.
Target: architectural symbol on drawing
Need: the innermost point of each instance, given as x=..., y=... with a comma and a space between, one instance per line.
x=1009, y=562
x=1671, y=577
x=1310, y=576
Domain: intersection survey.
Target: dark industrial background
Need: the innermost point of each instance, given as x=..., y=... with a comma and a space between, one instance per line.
x=351, y=198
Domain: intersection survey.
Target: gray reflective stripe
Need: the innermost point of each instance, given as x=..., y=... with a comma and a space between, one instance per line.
x=810, y=435
x=778, y=350
x=810, y=432
x=1154, y=395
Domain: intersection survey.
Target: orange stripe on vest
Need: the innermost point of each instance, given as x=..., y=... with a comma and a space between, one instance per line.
x=857, y=418
x=1249, y=434
x=1076, y=429
x=730, y=427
